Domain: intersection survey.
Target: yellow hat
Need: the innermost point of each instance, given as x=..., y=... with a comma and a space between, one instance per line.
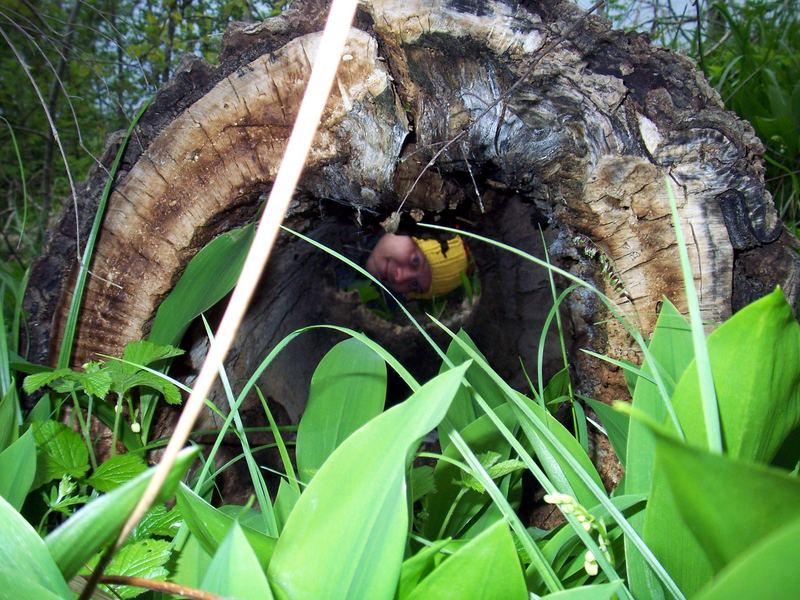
x=446, y=267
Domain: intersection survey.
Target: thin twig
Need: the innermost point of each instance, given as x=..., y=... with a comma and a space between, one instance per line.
x=326, y=62
x=160, y=586
x=545, y=50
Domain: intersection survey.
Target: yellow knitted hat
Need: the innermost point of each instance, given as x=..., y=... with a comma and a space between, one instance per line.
x=446, y=267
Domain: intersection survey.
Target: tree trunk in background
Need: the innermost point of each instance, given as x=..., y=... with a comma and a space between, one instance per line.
x=580, y=147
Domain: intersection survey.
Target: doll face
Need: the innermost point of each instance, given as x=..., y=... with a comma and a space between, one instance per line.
x=399, y=263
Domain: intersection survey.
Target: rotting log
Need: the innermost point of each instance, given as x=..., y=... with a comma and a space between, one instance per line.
x=564, y=124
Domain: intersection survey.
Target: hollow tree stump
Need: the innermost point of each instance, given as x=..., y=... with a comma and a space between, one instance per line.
x=577, y=140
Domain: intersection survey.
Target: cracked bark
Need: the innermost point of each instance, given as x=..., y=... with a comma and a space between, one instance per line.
x=581, y=147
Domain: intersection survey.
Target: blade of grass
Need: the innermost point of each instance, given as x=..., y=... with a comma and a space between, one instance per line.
x=256, y=478
x=567, y=457
x=287, y=461
x=707, y=393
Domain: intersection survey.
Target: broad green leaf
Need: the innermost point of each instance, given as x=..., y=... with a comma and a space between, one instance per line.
x=60, y=451
x=235, y=570
x=755, y=360
x=348, y=389
x=671, y=347
x=766, y=570
x=8, y=418
x=616, y=425
x=146, y=379
x=356, y=532
x=482, y=436
x=556, y=389
x=97, y=523
x=419, y=566
x=211, y=525
x=117, y=470
x=285, y=500
x=17, y=470
x=18, y=587
x=485, y=568
x=210, y=275
x=463, y=410
x=560, y=473
x=146, y=558
x=738, y=504
x=602, y=591
x=192, y=564
x=421, y=482
x=23, y=553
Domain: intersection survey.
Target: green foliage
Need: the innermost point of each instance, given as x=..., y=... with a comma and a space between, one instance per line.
x=361, y=536
x=18, y=469
x=348, y=389
x=486, y=567
x=146, y=559
x=235, y=570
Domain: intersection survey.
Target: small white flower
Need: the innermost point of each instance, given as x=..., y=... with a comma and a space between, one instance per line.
x=135, y=427
x=587, y=526
x=590, y=564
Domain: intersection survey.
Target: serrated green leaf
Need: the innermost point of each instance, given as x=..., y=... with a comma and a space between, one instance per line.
x=146, y=379
x=117, y=470
x=235, y=570
x=60, y=451
x=23, y=553
x=145, y=352
x=97, y=523
x=145, y=558
x=96, y=383
x=157, y=522
x=39, y=380
x=17, y=469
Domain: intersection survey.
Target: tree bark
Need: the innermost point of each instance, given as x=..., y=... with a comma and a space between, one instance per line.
x=577, y=140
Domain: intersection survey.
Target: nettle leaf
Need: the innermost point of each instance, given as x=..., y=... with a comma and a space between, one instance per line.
x=39, y=380
x=145, y=558
x=96, y=382
x=144, y=352
x=146, y=379
x=116, y=471
x=60, y=452
x=157, y=521
x=495, y=469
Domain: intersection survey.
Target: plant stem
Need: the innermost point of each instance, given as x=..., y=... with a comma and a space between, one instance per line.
x=115, y=431
x=87, y=438
x=160, y=586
